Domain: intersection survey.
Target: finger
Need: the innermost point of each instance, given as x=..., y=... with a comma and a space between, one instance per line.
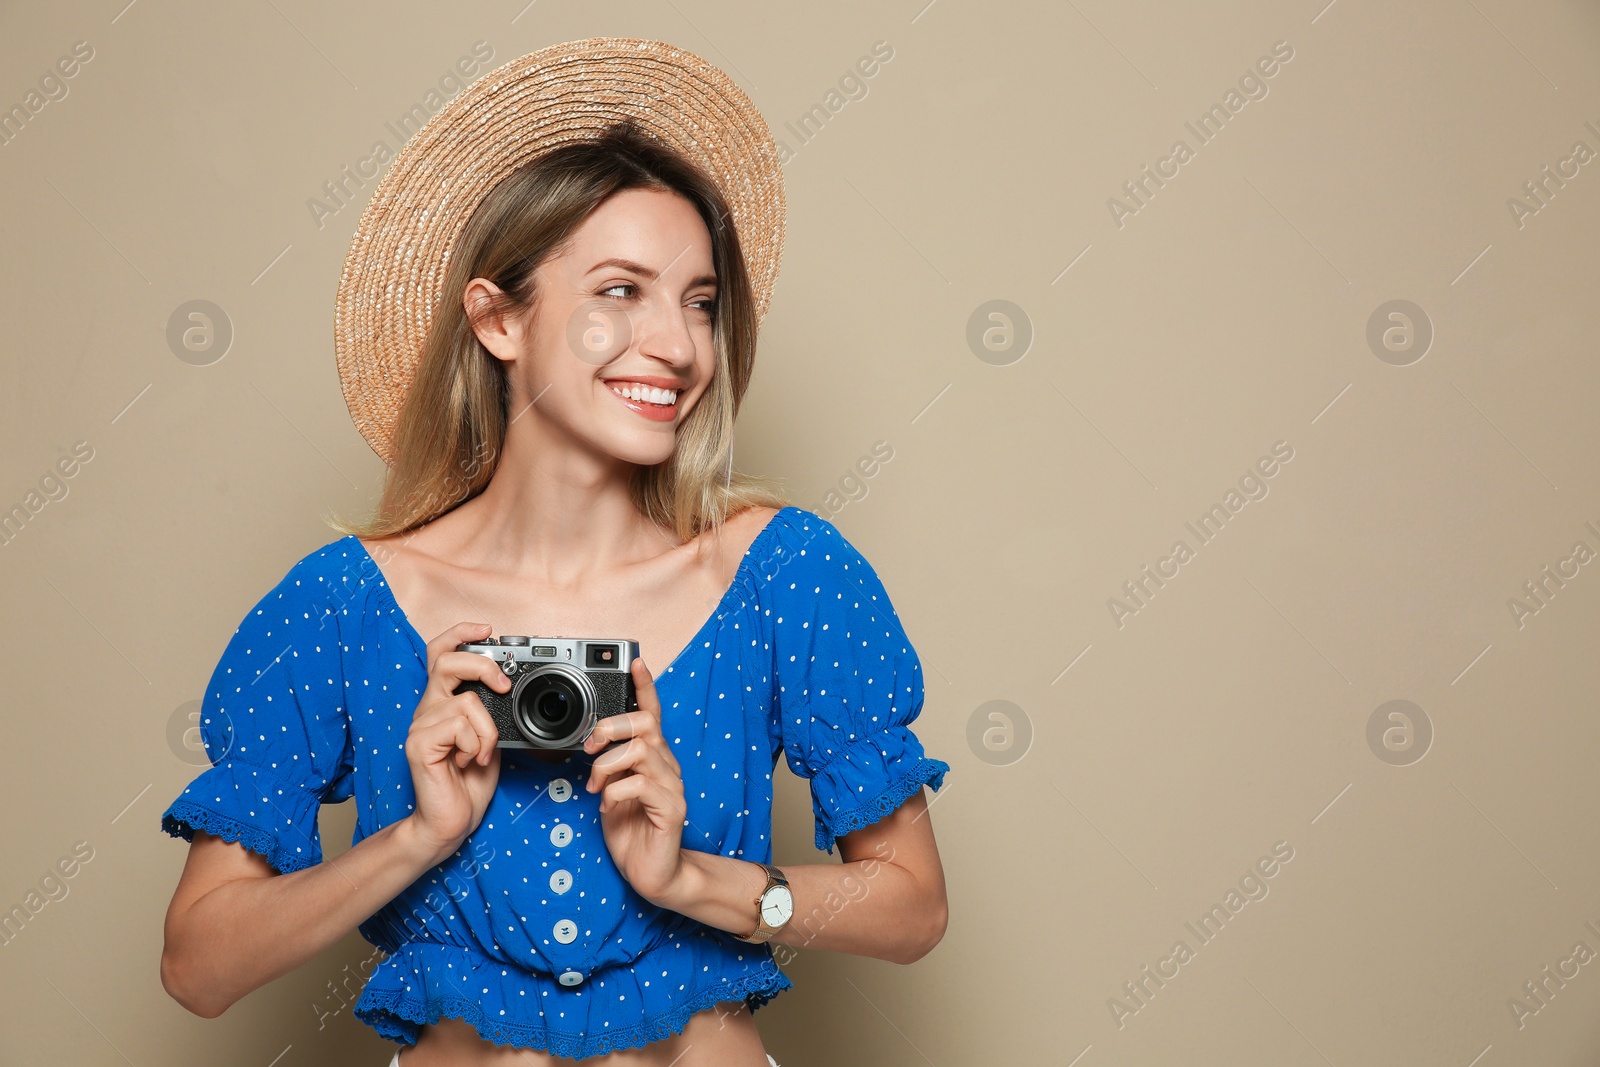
x=644, y=685
x=453, y=668
x=468, y=702
x=436, y=742
x=456, y=635
x=639, y=724
x=626, y=758
x=634, y=756
x=642, y=755
x=645, y=691
x=442, y=701
x=665, y=809
x=468, y=742
x=471, y=705
x=616, y=730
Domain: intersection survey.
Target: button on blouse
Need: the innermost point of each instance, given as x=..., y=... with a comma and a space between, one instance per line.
x=528, y=931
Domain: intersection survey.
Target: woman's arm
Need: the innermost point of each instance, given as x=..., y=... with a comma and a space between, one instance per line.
x=886, y=899
x=235, y=924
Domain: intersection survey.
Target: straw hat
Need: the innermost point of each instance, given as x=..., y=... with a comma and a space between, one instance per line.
x=395, y=268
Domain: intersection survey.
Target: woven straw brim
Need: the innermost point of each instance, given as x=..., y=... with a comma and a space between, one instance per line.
x=395, y=269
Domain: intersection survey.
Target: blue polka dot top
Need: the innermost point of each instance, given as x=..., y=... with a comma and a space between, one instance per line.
x=528, y=931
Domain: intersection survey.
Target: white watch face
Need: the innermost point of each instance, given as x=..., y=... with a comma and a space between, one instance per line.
x=777, y=904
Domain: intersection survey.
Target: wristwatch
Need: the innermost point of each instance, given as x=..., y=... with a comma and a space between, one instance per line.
x=775, y=905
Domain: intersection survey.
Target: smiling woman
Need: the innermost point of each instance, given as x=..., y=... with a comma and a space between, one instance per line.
x=523, y=247
x=558, y=422
x=665, y=354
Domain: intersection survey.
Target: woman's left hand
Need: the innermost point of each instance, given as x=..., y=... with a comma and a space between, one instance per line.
x=642, y=805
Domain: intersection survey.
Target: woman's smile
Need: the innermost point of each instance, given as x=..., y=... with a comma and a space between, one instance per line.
x=649, y=396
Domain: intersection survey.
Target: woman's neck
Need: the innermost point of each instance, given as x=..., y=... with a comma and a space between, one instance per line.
x=553, y=511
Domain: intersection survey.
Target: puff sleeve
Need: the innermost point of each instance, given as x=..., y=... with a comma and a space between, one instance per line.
x=275, y=729
x=848, y=681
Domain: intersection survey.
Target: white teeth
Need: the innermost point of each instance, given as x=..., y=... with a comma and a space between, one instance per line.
x=645, y=393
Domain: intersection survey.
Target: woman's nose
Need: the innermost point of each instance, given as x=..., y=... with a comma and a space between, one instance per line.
x=665, y=333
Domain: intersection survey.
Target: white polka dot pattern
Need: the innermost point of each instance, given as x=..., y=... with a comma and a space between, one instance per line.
x=529, y=932
x=848, y=681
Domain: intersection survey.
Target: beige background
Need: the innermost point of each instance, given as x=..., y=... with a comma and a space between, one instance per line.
x=1167, y=754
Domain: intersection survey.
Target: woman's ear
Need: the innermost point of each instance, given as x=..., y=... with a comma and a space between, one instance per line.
x=501, y=334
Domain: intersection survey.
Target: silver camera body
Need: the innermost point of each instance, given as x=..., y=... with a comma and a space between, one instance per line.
x=561, y=687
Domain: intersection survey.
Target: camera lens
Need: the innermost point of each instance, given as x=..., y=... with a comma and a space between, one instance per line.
x=549, y=707
x=554, y=706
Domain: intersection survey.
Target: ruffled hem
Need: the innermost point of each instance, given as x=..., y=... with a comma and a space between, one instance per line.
x=926, y=770
x=423, y=982
x=867, y=780
x=184, y=816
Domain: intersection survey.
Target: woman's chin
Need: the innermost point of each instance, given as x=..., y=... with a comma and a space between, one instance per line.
x=641, y=453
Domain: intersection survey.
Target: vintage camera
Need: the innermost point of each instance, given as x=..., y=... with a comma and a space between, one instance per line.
x=561, y=687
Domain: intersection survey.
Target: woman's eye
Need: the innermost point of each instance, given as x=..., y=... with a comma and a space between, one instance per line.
x=707, y=304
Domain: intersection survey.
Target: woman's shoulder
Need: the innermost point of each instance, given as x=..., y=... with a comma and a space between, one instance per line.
x=333, y=554
x=799, y=552
x=761, y=526
x=748, y=541
x=794, y=531
x=323, y=580
x=344, y=559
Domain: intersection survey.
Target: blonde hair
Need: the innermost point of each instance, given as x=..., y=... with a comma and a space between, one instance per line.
x=452, y=425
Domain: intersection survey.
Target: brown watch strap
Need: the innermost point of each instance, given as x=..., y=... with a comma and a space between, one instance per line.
x=774, y=877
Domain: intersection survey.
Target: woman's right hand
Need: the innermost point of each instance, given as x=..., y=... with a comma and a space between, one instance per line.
x=232, y=926
x=451, y=747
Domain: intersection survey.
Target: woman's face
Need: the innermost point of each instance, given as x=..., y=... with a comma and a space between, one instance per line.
x=619, y=346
